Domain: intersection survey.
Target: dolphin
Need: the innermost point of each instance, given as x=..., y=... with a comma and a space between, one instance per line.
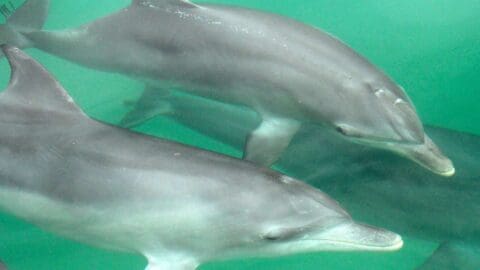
x=3, y=266
x=178, y=206
x=374, y=185
x=287, y=72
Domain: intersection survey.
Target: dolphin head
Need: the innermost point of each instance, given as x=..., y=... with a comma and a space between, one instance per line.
x=303, y=219
x=346, y=235
x=383, y=116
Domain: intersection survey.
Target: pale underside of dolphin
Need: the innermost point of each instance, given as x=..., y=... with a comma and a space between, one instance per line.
x=176, y=205
x=376, y=186
x=288, y=72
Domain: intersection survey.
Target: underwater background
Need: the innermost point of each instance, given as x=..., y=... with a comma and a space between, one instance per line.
x=430, y=47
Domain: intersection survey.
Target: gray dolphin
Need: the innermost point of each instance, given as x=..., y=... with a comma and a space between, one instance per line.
x=178, y=206
x=288, y=72
x=374, y=185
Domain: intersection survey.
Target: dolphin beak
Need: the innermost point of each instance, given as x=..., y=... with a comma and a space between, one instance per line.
x=352, y=236
x=429, y=156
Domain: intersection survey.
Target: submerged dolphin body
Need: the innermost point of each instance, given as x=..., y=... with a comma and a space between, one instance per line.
x=176, y=205
x=374, y=185
x=289, y=73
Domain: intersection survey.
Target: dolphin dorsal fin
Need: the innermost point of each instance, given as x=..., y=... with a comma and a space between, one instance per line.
x=163, y=3
x=31, y=86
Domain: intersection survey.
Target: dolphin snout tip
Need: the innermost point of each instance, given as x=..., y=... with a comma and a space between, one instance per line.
x=448, y=173
x=429, y=156
x=443, y=166
x=437, y=164
x=361, y=237
x=397, y=244
x=433, y=159
x=384, y=240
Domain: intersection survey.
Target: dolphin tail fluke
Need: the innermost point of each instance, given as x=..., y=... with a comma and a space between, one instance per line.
x=27, y=18
x=152, y=103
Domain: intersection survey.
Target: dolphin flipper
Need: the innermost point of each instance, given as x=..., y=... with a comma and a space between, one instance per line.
x=453, y=256
x=265, y=144
x=152, y=103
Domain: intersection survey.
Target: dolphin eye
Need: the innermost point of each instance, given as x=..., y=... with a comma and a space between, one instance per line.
x=341, y=130
x=270, y=237
x=348, y=131
x=274, y=235
x=281, y=234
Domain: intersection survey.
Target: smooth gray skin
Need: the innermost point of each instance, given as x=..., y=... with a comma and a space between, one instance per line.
x=178, y=206
x=3, y=266
x=288, y=72
x=374, y=185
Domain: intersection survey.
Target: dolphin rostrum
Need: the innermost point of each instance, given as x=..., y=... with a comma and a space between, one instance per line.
x=288, y=72
x=176, y=205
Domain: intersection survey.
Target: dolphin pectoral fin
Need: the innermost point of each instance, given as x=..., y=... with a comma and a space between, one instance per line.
x=151, y=104
x=453, y=256
x=267, y=142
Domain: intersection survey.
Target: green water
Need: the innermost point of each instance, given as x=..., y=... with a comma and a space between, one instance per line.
x=431, y=48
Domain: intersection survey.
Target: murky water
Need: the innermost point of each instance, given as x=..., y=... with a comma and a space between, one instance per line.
x=431, y=48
